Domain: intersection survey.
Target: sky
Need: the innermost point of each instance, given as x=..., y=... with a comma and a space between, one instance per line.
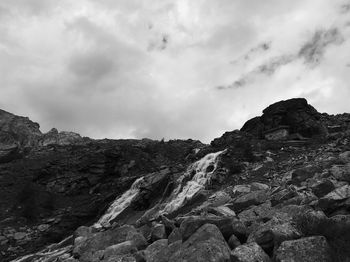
x=169, y=68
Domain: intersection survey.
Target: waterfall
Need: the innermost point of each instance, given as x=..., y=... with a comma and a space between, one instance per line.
x=195, y=178
x=120, y=203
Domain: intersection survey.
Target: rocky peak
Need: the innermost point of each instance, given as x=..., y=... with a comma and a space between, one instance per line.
x=17, y=134
x=294, y=116
x=53, y=137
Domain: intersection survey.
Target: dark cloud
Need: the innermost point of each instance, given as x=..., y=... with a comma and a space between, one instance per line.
x=255, y=51
x=313, y=50
x=345, y=8
x=268, y=68
x=91, y=66
x=160, y=43
x=274, y=64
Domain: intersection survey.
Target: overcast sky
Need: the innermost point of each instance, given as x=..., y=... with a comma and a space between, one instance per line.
x=172, y=69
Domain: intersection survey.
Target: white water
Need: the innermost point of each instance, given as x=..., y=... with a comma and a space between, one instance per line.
x=200, y=179
x=120, y=204
x=51, y=253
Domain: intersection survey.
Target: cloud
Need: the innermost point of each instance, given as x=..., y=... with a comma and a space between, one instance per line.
x=313, y=51
x=138, y=69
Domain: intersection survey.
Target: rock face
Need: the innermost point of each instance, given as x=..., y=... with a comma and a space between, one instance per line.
x=16, y=134
x=295, y=115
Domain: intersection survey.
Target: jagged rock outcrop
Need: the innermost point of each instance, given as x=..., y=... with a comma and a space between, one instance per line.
x=295, y=116
x=53, y=137
x=17, y=134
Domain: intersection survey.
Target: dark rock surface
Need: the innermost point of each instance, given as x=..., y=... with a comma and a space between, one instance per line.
x=300, y=118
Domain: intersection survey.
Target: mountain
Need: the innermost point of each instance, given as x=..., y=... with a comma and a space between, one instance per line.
x=276, y=190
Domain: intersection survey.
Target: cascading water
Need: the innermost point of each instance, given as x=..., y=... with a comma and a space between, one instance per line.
x=201, y=175
x=120, y=204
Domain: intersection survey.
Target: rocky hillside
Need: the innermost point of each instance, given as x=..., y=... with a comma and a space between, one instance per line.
x=277, y=190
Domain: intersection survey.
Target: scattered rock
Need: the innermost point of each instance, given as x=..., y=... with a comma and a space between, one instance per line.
x=322, y=188
x=158, y=232
x=206, y=244
x=233, y=242
x=127, y=247
x=250, y=199
x=249, y=253
x=308, y=249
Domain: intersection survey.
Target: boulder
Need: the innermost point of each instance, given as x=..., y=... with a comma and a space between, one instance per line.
x=206, y=244
x=282, y=195
x=261, y=213
x=323, y=187
x=250, y=199
x=233, y=242
x=251, y=252
x=309, y=249
x=157, y=251
x=341, y=172
x=86, y=248
x=301, y=174
x=345, y=156
x=335, y=198
x=127, y=247
x=175, y=235
x=272, y=233
x=190, y=225
x=158, y=232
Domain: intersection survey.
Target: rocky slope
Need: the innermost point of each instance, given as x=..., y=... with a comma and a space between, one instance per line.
x=248, y=196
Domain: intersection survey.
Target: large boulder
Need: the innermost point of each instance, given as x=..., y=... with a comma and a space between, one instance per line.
x=251, y=252
x=295, y=114
x=250, y=199
x=334, y=199
x=272, y=233
x=309, y=249
x=89, y=247
x=226, y=225
x=206, y=244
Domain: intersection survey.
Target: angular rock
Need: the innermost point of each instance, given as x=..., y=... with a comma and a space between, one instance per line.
x=309, y=249
x=192, y=223
x=345, y=156
x=233, y=242
x=127, y=247
x=157, y=251
x=174, y=236
x=158, y=232
x=261, y=213
x=251, y=252
x=301, y=174
x=334, y=198
x=323, y=187
x=90, y=245
x=206, y=244
x=341, y=172
x=272, y=233
x=250, y=199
